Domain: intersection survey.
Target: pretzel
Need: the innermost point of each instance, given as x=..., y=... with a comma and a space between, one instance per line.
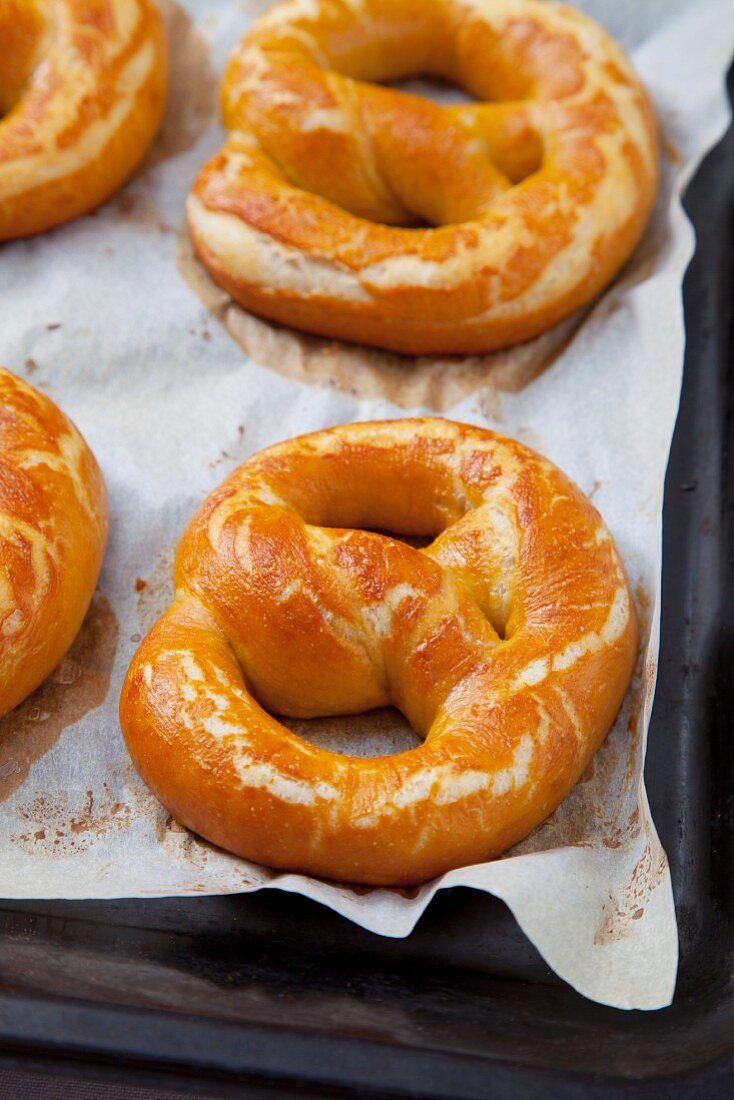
x=53, y=528
x=82, y=89
x=508, y=644
x=314, y=212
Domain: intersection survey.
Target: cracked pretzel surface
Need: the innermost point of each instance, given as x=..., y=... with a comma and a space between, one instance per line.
x=508, y=643
x=82, y=92
x=361, y=212
x=53, y=529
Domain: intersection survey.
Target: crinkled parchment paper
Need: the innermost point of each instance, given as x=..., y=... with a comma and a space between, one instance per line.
x=173, y=386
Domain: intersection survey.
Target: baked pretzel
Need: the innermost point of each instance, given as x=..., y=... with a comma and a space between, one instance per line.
x=508, y=644
x=311, y=214
x=53, y=528
x=82, y=89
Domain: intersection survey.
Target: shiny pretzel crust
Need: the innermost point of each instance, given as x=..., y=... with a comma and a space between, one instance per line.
x=53, y=528
x=85, y=93
x=508, y=643
x=279, y=216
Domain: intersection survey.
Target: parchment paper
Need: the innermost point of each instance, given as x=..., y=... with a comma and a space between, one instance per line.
x=173, y=386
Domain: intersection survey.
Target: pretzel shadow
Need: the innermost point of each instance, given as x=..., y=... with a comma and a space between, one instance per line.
x=428, y=382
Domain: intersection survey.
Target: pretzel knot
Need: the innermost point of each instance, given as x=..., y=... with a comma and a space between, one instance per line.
x=314, y=213
x=82, y=92
x=508, y=643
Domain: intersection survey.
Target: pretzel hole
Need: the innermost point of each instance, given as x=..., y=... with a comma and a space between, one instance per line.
x=418, y=542
x=440, y=91
x=356, y=499
x=382, y=732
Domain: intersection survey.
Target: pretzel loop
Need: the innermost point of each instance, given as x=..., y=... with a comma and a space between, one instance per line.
x=508, y=643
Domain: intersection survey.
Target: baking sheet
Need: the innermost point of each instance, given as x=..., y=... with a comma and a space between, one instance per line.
x=173, y=386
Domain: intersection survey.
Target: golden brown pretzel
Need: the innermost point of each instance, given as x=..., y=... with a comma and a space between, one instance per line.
x=82, y=89
x=53, y=528
x=508, y=643
x=535, y=195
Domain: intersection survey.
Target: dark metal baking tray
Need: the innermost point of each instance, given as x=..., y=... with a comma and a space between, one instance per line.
x=274, y=995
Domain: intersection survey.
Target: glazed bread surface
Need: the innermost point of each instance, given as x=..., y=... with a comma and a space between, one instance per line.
x=53, y=529
x=365, y=213
x=82, y=93
x=508, y=643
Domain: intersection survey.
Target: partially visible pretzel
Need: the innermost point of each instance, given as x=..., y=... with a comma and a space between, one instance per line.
x=536, y=194
x=82, y=89
x=53, y=528
x=508, y=643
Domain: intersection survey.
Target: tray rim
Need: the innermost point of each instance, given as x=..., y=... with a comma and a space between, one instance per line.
x=53, y=1025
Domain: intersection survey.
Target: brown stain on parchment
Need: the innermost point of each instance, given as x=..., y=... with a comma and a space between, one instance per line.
x=588, y=814
x=78, y=684
x=138, y=208
x=644, y=614
x=51, y=827
x=235, y=454
x=351, y=890
x=190, y=107
x=192, y=91
x=672, y=152
x=155, y=592
x=180, y=843
x=642, y=264
x=630, y=903
x=406, y=381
